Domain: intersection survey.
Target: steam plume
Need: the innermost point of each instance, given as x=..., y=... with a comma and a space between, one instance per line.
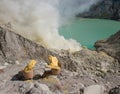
x=39, y=20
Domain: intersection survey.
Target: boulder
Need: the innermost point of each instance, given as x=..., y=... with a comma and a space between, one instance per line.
x=94, y=89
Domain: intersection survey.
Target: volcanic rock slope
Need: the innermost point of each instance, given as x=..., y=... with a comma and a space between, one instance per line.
x=111, y=45
x=79, y=69
x=109, y=9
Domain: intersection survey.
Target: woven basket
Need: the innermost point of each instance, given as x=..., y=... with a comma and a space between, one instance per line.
x=28, y=75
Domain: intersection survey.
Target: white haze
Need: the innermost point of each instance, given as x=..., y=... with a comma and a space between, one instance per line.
x=39, y=20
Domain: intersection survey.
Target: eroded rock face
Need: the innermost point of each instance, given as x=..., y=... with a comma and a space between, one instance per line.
x=15, y=47
x=109, y=9
x=111, y=46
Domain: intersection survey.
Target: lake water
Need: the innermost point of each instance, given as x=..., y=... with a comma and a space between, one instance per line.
x=88, y=31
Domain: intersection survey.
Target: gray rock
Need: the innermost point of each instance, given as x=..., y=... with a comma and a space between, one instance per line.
x=41, y=86
x=92, y=62
x=111, y=45
x=109, y=9
x=115, y=90
x=15, y=47
x=77, y=67
x=94, y=89
x=40, y=89
x=25, y=87
x=2, y=67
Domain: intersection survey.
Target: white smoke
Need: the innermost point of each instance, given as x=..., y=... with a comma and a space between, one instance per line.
x=69, y=8
x=39, y=20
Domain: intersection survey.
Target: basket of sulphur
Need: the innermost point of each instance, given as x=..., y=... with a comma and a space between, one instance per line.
x=28, y=72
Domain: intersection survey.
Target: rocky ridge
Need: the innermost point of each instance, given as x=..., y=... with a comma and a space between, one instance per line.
x=79, y=70
x=14, y=47
x=106, y=9
x=111, y=46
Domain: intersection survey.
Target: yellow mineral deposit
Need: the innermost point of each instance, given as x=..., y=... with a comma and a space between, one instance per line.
x=30, y=66
x=53, y=63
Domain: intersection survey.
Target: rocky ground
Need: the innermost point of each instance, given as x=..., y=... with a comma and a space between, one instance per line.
x=107, y=45
x=82, y=72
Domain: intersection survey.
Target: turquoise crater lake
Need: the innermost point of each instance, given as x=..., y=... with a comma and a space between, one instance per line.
x=88, y=31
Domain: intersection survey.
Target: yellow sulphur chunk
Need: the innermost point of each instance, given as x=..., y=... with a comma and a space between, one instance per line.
x=30, y=66
x=54, y=62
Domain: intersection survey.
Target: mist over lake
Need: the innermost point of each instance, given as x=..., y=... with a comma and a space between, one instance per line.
x=88, y=31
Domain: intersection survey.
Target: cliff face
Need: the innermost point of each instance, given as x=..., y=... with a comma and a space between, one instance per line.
x=15, y=47
x=111, y=46
x=108, y=9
